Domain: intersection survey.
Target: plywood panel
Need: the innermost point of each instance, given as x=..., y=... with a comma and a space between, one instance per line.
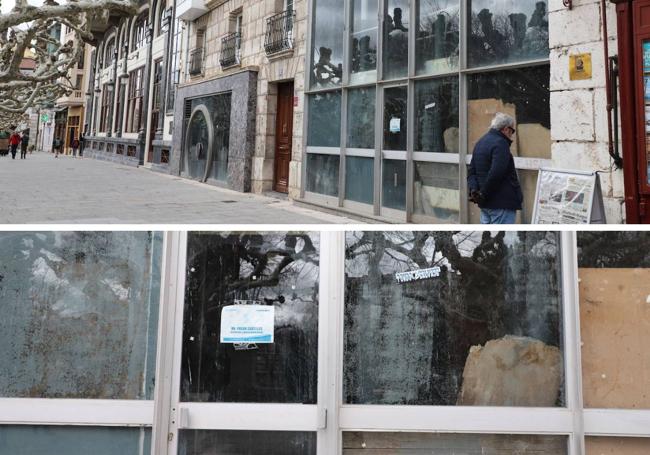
x=617, y=446
x=615, y=324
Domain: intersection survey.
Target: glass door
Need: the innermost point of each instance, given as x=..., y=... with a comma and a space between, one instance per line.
x=247, y=358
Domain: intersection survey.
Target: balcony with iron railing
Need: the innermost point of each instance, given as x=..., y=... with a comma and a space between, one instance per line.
x=196, y=61
x=230, y=50
x=279, y=32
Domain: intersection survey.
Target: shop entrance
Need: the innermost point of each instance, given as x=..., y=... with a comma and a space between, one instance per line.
x=283, y=137
x=633, y=21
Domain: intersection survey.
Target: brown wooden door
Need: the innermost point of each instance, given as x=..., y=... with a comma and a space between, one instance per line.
x=283, y=137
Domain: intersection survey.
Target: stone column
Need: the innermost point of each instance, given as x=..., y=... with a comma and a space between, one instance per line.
x=142, y=134
x=111, y=107
x=123, y=79
x=90, y=96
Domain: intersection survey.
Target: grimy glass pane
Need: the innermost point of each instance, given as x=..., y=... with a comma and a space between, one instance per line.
x=445, y=318
x=327, y=43
x=395, y=115
x=364, y=31
x=230, y=269
x=451, y=444
x=522, y=93
x=393, y=184
x=617, y=446
x=324, y=120
x=436, y=110
x=437, y=36
x=503, y=31
x=361, y=118
x=359, y=179
x=80, y=314
x=614, y=319
x=55, y=440
x=323, y=174
x=435, y=192
x=203, y=442
x=396, y=39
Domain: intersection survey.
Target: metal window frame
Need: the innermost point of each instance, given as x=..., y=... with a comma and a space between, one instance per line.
x=463, y=73
x=329, y=418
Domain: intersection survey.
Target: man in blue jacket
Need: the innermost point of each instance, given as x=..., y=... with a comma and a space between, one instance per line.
x=492, y=177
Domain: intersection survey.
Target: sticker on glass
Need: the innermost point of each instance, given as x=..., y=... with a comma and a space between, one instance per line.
x=416, y=275
x=247, y=324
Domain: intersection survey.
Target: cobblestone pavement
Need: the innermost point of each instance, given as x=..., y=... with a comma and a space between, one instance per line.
x=42, y=189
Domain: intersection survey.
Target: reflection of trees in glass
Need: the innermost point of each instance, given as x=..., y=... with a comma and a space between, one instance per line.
x=327, y=40
x=437, y=115
x=502, y=33
x=396, y=39
x=438, y=33
x=361, y=118
x=528, y=89
x=407, y=343
x=614, y=249
x=273, y=269
x=80, y=314
x=324, y=120
x=395, y=110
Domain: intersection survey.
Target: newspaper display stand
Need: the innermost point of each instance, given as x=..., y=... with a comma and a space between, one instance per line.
x=568, y=197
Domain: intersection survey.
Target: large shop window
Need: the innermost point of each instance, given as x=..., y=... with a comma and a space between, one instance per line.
x=445, y=318
x=614, y=271
x=507, y=31
x=228, y=272
x=437, y=36
x=327, y=44
x=59, y=288
x=323, y=141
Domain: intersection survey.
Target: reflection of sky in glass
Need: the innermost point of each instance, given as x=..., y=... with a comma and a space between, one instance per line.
x=505, y=8
x=328, y=29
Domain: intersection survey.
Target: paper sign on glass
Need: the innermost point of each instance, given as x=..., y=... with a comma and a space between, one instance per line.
x=395, y=125
x=247, y=324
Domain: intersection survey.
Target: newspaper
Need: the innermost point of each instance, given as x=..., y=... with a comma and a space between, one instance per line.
x=564, y=198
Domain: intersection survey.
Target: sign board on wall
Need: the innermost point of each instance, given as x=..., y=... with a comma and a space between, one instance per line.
x=580, y=67
x=247, y=324
x=568, y=197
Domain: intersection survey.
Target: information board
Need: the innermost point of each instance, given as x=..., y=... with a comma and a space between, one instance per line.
x=568, y=197
x=247, y=324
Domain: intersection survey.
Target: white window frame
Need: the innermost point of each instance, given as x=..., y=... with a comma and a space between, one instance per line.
x=329, y=418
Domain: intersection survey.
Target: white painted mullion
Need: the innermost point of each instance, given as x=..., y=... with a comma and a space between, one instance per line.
x=572, y=339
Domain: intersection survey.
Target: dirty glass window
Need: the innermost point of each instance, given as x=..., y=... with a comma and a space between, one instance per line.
x=323, y=174
x=324, y=120
x=521, y=93
x=437, y=36
x=202, y=442
x=55, y=440
x=225, y=270
x=396, y=39
x=363, y=54
x=80, y=312
x=614, y=272
x=327, y=40
x=436, y=110
x=618, y=446
x=371, y=443
x=507, y=31
x=445, y=318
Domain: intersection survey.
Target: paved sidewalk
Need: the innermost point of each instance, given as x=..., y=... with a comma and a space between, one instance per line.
x=43, y=189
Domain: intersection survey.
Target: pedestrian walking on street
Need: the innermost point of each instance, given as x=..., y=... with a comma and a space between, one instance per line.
x=492, y=177
x=24, y=143
x=57, y=146
x=14, y=142
x=82, y=144
x=75, y=147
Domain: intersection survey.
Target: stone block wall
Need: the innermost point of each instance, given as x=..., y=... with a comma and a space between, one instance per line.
x=579, y=108
x=282, y=67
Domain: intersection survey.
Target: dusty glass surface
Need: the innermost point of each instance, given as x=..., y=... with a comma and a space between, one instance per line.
x=55, y=440
x=359, y=179
x=435, y=192
x=279, y=270
x=436, y=111
x=80, y=314
x=361, y=118
x=437, y=36
x=363, y=53
x=323, y=174
x=396, y=39
x=202, y=442
x=521, y=93
x=395, y=115
x=451, y=444
x=393, y=185
x=327, y=43
x=507, y=31
x=614, y=249
x=324, y=120
x=418, y=305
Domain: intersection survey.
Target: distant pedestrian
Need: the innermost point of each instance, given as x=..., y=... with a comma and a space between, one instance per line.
x=82, y=144
x=24, y=144
x=14, y=142
x=57, y=146
x=75, y=147
x=492, y=177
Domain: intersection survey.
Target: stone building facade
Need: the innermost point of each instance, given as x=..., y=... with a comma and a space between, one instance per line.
x=238, y=112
